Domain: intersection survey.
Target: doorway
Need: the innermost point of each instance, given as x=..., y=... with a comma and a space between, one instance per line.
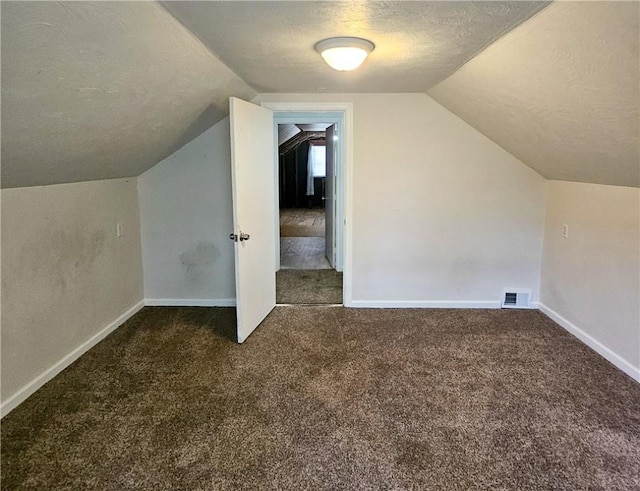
x=302, y=190
x=306, y=212
x=308, y=161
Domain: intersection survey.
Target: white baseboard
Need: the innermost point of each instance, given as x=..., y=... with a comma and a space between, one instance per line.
x=425, y=304
x=23, y=393
x=593, y=343
x=190, y=302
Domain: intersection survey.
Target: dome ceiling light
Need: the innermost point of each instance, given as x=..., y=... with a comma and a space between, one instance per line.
x=344, y=53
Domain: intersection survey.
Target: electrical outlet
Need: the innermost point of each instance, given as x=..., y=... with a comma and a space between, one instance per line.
x=565, y=231
x=119, y=229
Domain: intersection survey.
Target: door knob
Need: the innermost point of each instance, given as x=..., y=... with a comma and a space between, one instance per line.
x=241, y=237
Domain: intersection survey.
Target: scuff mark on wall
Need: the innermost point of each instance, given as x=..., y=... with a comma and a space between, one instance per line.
x=198, y=262
x=66, y=275
x=59, y=255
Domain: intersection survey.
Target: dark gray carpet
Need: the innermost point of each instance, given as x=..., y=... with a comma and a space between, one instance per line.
x=303, y=253
x=308, y=286
x=323, y=398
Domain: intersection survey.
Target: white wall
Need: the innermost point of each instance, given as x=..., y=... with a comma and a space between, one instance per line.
x=441, y=215
x=591, y=279
x=186, y=219
x=67, y=279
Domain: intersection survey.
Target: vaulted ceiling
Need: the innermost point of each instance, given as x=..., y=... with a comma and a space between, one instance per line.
x=94, y=90
x=98, y=90
x=561, y=92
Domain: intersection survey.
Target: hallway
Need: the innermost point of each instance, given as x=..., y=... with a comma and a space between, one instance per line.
x=302, y=239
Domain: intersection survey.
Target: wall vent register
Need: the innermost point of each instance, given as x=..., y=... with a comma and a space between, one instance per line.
x=516, y=299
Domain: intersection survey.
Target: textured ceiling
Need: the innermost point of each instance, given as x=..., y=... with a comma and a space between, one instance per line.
x=270, y=44
x=95, y=90
x=561, y=92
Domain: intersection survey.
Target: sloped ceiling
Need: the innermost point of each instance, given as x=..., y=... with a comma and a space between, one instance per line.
x=561, y=92
x=96, y=90
x=287, y=132
x=271, y=44
x=291, y=135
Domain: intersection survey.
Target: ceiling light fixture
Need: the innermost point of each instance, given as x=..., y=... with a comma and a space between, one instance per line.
x=344, y=53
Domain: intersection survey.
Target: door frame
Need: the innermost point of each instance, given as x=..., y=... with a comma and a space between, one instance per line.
x=299, y=112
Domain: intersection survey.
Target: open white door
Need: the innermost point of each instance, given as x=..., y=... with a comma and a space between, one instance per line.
x=330, y=197
x=253, y=185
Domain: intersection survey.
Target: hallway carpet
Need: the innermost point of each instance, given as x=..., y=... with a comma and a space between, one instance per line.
x=303, y=253
x=308, y=286
x=323, y=398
